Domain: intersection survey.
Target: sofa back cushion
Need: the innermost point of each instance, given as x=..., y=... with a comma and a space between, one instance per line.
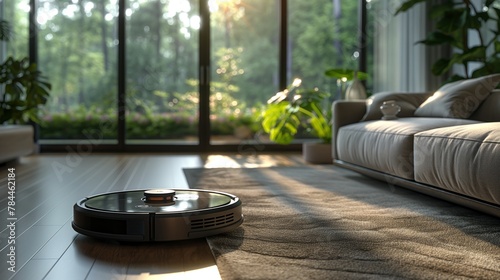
x=489, y=110
x=458, y=99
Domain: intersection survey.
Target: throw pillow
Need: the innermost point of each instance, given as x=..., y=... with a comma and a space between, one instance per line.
x=408, y=101
x=458, y=99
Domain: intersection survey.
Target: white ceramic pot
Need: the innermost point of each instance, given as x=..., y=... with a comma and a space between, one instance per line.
x=356, y=90
x=317, y=153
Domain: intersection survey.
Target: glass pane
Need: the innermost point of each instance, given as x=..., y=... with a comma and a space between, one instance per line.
x=322, y=35
x=77, y=52
x=162, y=71
x=16, y=14
x=244, y=61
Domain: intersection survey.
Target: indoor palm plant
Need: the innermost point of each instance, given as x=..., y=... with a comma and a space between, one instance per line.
x=296, y=108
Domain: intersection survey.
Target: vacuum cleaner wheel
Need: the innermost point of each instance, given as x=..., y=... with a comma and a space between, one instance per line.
x=157, y=215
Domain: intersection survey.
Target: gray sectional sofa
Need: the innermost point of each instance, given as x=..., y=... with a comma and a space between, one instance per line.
x=444, y=143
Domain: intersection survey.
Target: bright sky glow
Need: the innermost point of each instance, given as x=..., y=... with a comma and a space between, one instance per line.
x=213, y=6
x=24, y=6
x=108, y=17
x=88, y=7
x=195, y=22
x=70, y=11
x=46, y=15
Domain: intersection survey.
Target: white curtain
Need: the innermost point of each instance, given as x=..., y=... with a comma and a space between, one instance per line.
x=399, y=63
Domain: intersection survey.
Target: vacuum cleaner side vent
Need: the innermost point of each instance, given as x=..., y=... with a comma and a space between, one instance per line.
x=212, y=222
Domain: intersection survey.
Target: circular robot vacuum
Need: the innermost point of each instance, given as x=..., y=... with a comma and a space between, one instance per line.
x=157, y=215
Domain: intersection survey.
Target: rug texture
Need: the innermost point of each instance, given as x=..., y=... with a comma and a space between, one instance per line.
x=325, y=222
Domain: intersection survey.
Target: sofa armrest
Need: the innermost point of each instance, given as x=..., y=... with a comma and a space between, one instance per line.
x=343, y=113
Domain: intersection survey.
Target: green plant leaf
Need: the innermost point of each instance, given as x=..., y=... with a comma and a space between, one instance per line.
x=484, y=16
x=477, y=53
x=407, y=5
x=437, y=38
x=455, y=78
x=25, y=88
x=497, y=46
x=348, y=74
x=5, y=30
x=489, y=2
x=303, y=108
x=440, y=66
x=452, y=20
x=438, y=11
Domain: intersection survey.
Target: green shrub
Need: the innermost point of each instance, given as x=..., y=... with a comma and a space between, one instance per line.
x=82, y=124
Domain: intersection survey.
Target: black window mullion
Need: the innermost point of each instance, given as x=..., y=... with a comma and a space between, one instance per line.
x=33, y=32
x=121, y=75
x=283, y=46
x=362, y=22
x=204, y=77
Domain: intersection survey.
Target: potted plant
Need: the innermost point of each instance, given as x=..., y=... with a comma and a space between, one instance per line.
x=23, y=89
x=454, y=22
x=355, y=90
x=294, y=108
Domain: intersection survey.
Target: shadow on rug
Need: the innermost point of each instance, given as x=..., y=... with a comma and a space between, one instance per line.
x=324, y=222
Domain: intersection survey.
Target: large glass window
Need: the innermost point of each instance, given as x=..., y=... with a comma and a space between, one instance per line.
x=16, y=14
x=322, y=35
x=176, y=68
x=77, y=45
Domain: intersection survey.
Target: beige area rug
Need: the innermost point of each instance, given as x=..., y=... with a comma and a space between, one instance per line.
x=324, y=222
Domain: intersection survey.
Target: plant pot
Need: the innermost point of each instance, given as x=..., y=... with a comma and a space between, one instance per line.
x=317, y=153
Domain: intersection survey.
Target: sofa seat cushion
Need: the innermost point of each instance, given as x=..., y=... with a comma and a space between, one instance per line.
x=462, y=159
x=386, y=146
x=15, y=141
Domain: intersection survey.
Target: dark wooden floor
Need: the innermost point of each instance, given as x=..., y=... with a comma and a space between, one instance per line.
x=47, y=186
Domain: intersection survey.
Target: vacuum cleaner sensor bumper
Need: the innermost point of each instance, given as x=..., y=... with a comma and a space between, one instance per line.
x=157, y=215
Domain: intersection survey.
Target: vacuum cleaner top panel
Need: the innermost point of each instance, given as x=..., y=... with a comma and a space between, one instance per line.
x=135, y=201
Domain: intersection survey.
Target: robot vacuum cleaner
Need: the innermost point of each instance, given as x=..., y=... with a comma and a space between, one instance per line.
x=157, y=215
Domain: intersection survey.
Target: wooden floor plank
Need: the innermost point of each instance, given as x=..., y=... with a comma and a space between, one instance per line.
x=74, y=264
x=35, y=269
x=26, y=246
x=58, y=244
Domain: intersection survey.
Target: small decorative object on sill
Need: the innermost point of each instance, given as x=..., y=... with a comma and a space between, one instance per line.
x=356, y=90
x=390, y=109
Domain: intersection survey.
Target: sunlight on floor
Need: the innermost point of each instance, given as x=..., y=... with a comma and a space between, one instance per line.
x=241, y=161
x=208, y=273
